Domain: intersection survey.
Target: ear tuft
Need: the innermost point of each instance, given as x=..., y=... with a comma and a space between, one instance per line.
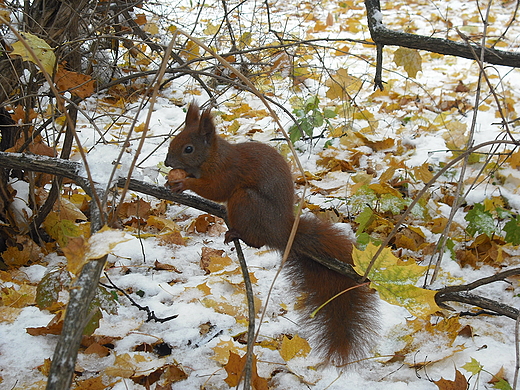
x=193, y=115
x=206, y=126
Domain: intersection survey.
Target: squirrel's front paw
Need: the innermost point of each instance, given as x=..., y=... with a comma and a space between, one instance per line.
x=175, y=180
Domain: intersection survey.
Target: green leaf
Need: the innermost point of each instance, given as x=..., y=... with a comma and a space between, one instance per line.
x=294, y=133
x=473, y=366
x=328, y=113
x=480, y=221
x=312, y=103
x=364, y=219
x=317, y=119
x=105, y=300
x=363, y=197
x=395, y=280
x=392, y=203
x=48, y=289
x=502, y=384
x=512, y=229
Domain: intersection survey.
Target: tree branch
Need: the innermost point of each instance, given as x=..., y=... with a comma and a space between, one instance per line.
x=384, y=36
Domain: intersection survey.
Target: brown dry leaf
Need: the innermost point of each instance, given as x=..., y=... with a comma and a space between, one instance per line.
x=234, y=368
x=126, y=365
x=483, y=250
x=410, y=238
x=376, y=145
x=171, y=238
x=461, y=87
x=222, y=306
x=293, y=347
x=45, y=368
x=437, y=225
x=332, y=164
x=19, y=115
x=75, y=253
x=206, y=257
x=137, y=208
x=26, y=251
x=158, y=266
x=98, y=349
x=174, y=373
x=140, y=19
x=341, y=85
x=500, y=375
x=52, y=328
x=204, y=223
x=95, y=383
x=36, y=146
x=514, y=160
x=68, y=210
x=459, y=383
x=148, y=379
x=420, y=339
x=219, y=263
x=162, y=223
x=423, y=172
x=77, y=84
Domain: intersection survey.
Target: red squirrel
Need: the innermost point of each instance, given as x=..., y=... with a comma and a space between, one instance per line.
x=256, y=183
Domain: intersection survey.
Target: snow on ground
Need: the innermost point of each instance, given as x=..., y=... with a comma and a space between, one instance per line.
x=169, y=293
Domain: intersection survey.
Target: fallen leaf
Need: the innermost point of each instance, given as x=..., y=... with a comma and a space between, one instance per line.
x=234, y=369
x=294, y=347
x=459, y=383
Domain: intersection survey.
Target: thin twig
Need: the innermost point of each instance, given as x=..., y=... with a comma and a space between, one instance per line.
x=150, y=314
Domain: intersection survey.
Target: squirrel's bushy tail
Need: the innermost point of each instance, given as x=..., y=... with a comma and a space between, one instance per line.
x=343, y=330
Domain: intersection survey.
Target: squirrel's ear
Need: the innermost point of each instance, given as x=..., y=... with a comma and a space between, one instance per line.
x=192, y=116
x=206, y=126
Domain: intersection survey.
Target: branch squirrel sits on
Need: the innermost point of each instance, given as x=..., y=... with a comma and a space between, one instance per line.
x=256, y=183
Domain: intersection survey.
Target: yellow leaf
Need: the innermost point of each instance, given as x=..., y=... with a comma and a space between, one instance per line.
x=191, y=51
x=410, y=59
x=79, y=250
x=18, y=297
x=395, y=280
x=151, y=28
x=74, y=251
x=102, y=242
x=204, y=288
x=211, y=29
x=42, y=51
x=5, y=15
x=423, y=173
x=294, y=347
x=125, y=365
x=140, y=128
x=245, y=40
x=218, y=263
x=342, y=84
x=162, y=223
x=223, y=349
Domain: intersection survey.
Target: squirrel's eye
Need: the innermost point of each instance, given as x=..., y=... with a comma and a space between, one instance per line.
x=188, y=149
